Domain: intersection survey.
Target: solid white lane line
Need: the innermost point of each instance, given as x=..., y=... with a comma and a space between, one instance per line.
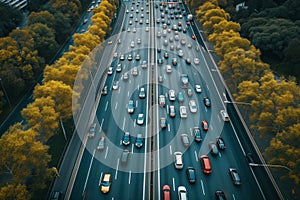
x=233, y=196
x=116, y=174
x=100, y=178
x=129, y=177
x=128, y=93
x=88, y=174
x=124, y=120
x=136, y=103
x=106, y=105
x=191, y=131
x=101, y=125
x=116, y=106
x=202, y=187
x=196, y=156
x=171, y=149
x=173, y=184
x=106, y=152
x=134, y=123
x=169, y=128
x=132, y=148
x=167, y=109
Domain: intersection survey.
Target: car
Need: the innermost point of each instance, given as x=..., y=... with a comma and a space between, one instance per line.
x=168, y=69
x=140, y=119
x=139, y=140
x=220, y=195
x=183, y=112
x=144, y=64
x=189, y=92
x=180, y=97
x=193, y=37
x=130, y=108
x=125, y=76
x=129, y=57
x=171, y=47
x=224, y=115
x=182, y=194
x=115, y=54
x=171, y=39
x=134, y=30
x=166, y=192
x=110, y=71
x=126, y=138
x=162, y=100
x=56, y=195
x=172, y=111
x=235, y=176
x=188, y=61
x=130, y=22
x=163, y=122
x=137, y=57
x=198, y=88
x=191, y=174
x=196, y=61
x=141, y=21
x=132, y=44
x=183, y=41
x=131, y=15
x=185, y=140
x=213, y=148
x=158, y=34
x=249, y=157
x=101, y=143
x=104, y=90
x=142, y=93
x=122, y=57
x=197, y=134
x=158, y=50
x=178, y=162
x=106, y=183
x=109, y=42
x=193, y=106
x=119, y=67
x=92, y=130
x=115, y=85
x=205, y=125
x=205, y=163
x=160, y=79
x=135, y=71
x=124, y=156
x=165, y=43
x=166, y=55
x=220, y=143
x=128, y=30
x=189, y=45
x=179, y=24
x=160, y=61
x=184, y=81
x=206, y=101
x=180, y=53
x=147, y=29
x=174, y=61
x=172, y=96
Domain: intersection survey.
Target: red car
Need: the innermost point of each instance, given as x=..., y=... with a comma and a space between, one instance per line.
x=193, y=37
x=205, y=125
x=166, y=192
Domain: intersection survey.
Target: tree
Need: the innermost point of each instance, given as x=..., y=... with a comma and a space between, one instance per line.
x=44, y=38
x=42, y=117
x=9, y=20
x=65, y=73
x=60, y=93
x=23, y=156
x=284, y=150
x=15, y=191
x=70, y=9
x=62, y=27
x=43, y=17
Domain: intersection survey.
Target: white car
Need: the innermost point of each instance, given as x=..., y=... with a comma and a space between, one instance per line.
x=110, y=71
x=168, y=68
x=196, y=61
x=130, y=107
x=142, y=93
x=193, y=106
x=178, y=162
x=115, y=85
x=134, y=71
x=172, y=96
x=140, y=119
x=132, y=44
x=183, y=112
x=198, y=88
x=172, y=112
x=162, y=100
x=182, y=194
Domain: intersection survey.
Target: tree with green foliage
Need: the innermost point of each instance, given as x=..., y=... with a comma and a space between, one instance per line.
x=9, y=20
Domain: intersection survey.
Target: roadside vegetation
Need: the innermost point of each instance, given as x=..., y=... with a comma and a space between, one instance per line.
x=25, y=159
x=274, y=113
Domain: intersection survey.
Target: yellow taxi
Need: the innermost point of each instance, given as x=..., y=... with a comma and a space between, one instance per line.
x=105, y=183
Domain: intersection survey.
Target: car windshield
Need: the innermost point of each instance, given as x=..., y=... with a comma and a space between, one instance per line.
x=105, y=183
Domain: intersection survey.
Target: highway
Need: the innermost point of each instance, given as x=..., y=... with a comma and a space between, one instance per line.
x=151, y=167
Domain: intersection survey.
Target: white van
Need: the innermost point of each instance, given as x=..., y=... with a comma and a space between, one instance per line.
x=225, y=115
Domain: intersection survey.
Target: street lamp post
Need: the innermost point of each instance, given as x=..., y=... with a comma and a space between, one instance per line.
x=268, y=165
x=237, y=102
x=5, y=93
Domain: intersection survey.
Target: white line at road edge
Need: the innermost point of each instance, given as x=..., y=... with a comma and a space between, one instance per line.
x=116, y=174
x=202, y=187
x=171, y=149
x=173, y=180
x=129, y=177
x=88, y=174
x=106, y=106
x=100, y=178
x=196, y=156
x=106, y=152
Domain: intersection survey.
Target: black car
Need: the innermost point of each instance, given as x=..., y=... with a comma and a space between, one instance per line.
x=104, y=90
x=191, y=174
x=188, y=61
x=166, y=55
x=197, y=134
x=220, y=195
x=235, y=176
x=220, y=143
x=206, y=101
